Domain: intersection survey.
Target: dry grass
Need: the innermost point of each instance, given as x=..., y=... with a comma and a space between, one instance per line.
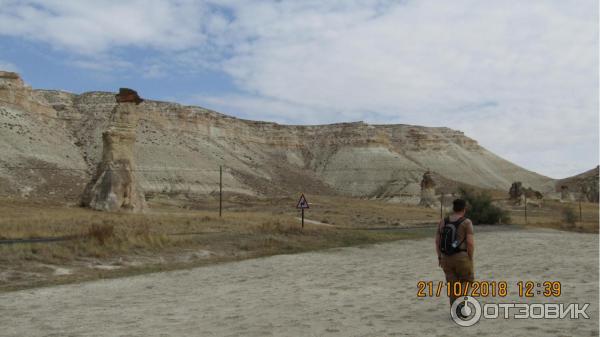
x=551, y=215
x=354, y=212
x=335, y=210
x=167, y=237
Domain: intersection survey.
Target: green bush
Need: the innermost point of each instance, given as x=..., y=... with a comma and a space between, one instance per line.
x=569, y=215
x=481, y=210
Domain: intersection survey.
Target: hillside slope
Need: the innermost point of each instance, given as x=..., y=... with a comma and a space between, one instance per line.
x=50, y=143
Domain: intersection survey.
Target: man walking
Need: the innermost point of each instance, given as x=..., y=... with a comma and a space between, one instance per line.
x=455, y=246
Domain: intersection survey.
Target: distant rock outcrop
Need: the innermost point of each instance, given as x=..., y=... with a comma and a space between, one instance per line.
x=565, y=194
x=590, y=192
x=583, y=186
x=515, y=190
x=13, y=91
x=518, y=194
x=428, y=197
x=114, y=187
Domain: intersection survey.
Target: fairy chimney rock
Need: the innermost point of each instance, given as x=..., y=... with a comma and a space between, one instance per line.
x=115, y=187
x=428, y=197
x=565, y=194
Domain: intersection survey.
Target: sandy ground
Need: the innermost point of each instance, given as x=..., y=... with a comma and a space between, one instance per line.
x=366, y=291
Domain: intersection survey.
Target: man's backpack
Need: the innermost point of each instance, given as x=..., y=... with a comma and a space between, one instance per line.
x=449, y=244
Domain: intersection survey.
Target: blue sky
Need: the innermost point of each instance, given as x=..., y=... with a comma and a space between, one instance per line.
x=520, y=77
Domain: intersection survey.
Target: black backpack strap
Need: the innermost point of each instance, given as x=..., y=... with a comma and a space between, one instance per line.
x=457, y=223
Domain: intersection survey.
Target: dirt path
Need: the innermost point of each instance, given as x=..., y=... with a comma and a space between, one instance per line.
x=369, y=291
x=314, y=222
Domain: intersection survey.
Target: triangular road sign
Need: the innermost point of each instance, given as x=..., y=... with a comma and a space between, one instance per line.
x=302, y=203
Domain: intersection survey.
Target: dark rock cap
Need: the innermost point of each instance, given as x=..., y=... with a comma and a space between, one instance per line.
x=427, y=181
x=127, y=95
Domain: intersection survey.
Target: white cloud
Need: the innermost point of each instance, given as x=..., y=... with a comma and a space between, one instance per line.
x=415, y=57
x=8, y=66
x=90, y=27
x=269, y=109
x=521, y=77
x=102, y=63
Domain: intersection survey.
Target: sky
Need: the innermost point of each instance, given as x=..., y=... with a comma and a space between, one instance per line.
x=520, y=77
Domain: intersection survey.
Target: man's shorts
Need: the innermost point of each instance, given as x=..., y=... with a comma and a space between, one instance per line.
x=458, y=268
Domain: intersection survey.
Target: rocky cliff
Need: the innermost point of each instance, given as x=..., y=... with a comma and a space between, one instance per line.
x=51, y=143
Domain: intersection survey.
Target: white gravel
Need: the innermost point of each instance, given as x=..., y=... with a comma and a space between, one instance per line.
x=364, y=291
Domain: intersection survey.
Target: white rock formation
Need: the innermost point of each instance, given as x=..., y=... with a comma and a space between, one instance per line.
x=565, y=194
x=428, y=197
x=115, y=186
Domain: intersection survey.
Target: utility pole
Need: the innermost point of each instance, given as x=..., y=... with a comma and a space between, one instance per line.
x=580, y=215
x=582, y=193
x=525, y=208
x=442, y=207
x=220, y=190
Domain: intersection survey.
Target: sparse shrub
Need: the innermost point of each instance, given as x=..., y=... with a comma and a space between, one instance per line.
x=101, y=232
x=271, y=226
x=142, y=230
x=569, y=215
x=481, y=210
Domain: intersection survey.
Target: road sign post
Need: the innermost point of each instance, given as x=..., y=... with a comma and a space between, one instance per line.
x=302, y=204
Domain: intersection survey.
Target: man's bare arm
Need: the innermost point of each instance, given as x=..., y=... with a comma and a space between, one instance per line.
x=437, y=242
x=470, y=241
x=470, y=245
